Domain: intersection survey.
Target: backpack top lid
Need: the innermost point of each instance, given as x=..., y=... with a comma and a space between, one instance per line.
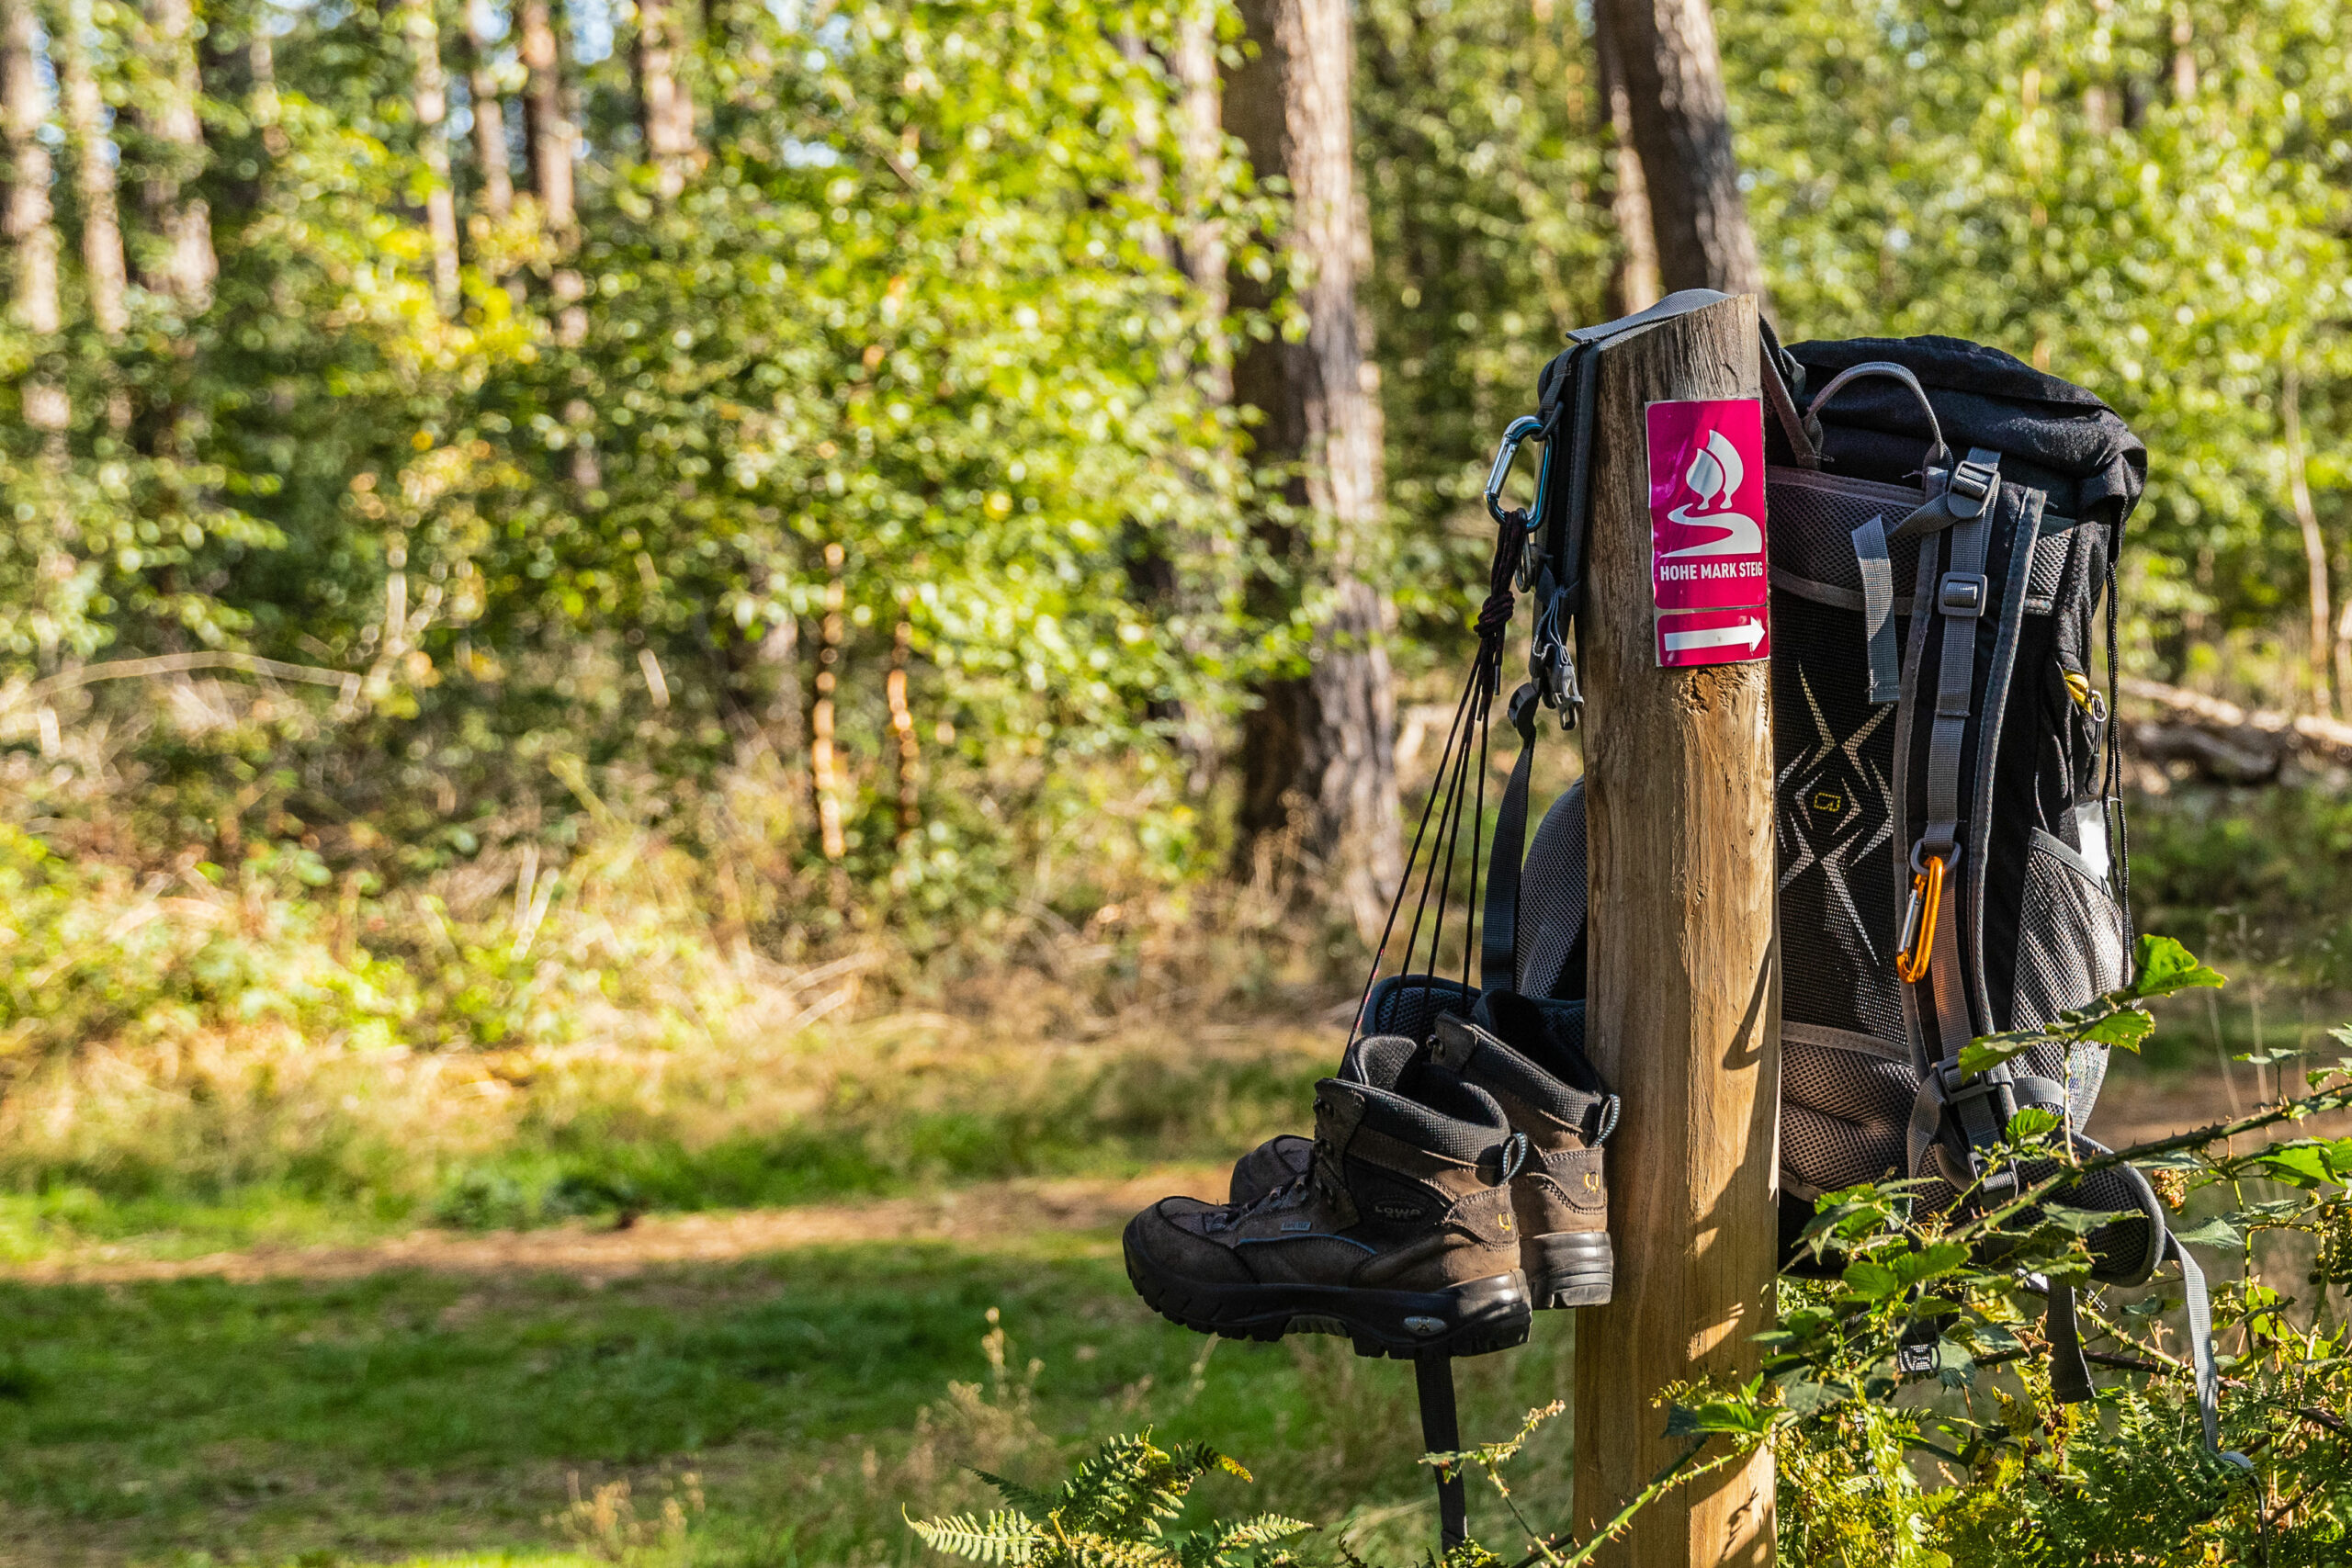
x=2051, y=435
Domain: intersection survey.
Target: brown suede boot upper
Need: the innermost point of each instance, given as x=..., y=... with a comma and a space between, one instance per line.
x=1398, y=1195
x=1564, y=1187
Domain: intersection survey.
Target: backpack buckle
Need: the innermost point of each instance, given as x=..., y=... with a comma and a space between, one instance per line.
x=1550, y=665
x=1971, y=486
x=1964, y=594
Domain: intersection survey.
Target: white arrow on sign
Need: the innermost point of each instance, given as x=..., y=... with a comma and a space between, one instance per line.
x=1740, y=634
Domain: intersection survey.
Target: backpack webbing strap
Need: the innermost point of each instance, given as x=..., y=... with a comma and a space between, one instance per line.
x=2200, y=1343
x=1442, y=1434
x=1878, y=609
x=1959, y=599
x=1804, y=433
x=1497, y=945
x=2070, y=1373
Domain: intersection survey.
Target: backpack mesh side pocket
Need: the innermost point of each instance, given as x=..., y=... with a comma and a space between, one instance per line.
x=2072, y=945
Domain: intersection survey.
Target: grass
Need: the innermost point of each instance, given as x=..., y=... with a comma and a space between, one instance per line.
x=422, y=1418
x=869, y=1112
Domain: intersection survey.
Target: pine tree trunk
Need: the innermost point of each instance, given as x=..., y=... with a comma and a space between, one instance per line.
x=432, y=100
x=183, y=266
x=666, y=108
x=1629, y=200
x=106, y=277
x=2299, y=494
x=1681, y=125
x=1319, y=751
x=32, y=232
x=548, y=128
x=545, y=126
x=825, y=761
x=490, y=120
x=1202, y=251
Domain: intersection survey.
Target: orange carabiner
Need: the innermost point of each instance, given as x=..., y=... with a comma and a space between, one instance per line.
x=1918, y=942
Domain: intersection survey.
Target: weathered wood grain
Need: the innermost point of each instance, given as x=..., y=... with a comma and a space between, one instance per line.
x=1684, y=1017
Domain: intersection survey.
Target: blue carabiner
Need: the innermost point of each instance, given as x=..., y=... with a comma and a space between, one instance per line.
x=1505, y=456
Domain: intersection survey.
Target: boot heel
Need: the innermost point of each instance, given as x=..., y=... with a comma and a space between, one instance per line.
x=1570, y=1269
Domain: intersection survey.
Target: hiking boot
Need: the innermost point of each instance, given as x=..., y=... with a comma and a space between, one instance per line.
x=1549, y=1092
x=1553, y=1097
x=1399, y=1232
x=1402, y=1005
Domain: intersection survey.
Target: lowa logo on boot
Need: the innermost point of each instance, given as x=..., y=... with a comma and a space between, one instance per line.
x=1389, y=1209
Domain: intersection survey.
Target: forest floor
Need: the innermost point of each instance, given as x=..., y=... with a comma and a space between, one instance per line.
x=789, y=1377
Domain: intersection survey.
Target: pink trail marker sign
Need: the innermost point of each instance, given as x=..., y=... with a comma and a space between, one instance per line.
x=1706, y=466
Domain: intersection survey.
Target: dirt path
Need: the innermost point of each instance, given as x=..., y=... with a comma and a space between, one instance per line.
x=2133, y=1110
x=2135, y=1107
x=974, y=1214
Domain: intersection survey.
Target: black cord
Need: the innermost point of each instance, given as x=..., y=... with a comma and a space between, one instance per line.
x=1450, y=794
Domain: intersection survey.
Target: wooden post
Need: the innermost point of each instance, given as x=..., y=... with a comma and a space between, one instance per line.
x=1684, y=1016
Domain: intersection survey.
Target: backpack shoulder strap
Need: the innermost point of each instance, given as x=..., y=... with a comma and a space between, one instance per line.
x=1497, y=943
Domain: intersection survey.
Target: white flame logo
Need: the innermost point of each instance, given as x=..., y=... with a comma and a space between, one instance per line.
x=1714, y=476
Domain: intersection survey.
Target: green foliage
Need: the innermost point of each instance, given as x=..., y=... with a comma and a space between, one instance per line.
x=2146, y=197
x=1971, y=1462
x=1114, y=1511
x=1490, y=237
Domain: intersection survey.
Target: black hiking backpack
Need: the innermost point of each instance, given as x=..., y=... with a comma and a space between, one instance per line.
x=1943, y=525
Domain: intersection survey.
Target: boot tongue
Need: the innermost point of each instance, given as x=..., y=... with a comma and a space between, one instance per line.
x=1377, y=1061
x=1546, y=1036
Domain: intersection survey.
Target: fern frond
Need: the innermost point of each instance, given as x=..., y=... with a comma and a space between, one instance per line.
x=1091, y=1549
x=1215, y=1544
x=1006, y=1536
x=1028, y=1499
x=1125, y=1488
x=1200, y=1458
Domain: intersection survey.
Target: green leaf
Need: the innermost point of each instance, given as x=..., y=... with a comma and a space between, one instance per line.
x=1989, y=1051
x=1941, y=1257
x=2213, y=1233
x=1873, y=1281
x=2165, y=966
x=2079, y=1222
x=2033, y=1121
x=2125, y=1027
x=1806, y=1397
x=1742, y=1417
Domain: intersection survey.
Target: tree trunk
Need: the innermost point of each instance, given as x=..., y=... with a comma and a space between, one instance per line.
x=1681, y=125
x=2299, y=493
x=490, y=120
x=545, y=126
x=1629, y=200
x=2343, y=656
x=1202, y=251
x=824, y=764
x=666, y=108
x=548, y=128
x=432, y=99
x=32, y=236
x=902, y=729
x=1318, y=750
x=106, y=275
x=183, y=266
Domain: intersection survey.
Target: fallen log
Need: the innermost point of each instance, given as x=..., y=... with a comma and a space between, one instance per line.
x=2225, y=742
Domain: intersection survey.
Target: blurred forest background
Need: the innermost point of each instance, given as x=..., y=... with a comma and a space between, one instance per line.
x=604, y=604
x=613, y=607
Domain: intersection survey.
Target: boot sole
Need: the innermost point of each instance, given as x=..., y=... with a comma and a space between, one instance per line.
x=1570, y=1268
x=1469, y=1319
